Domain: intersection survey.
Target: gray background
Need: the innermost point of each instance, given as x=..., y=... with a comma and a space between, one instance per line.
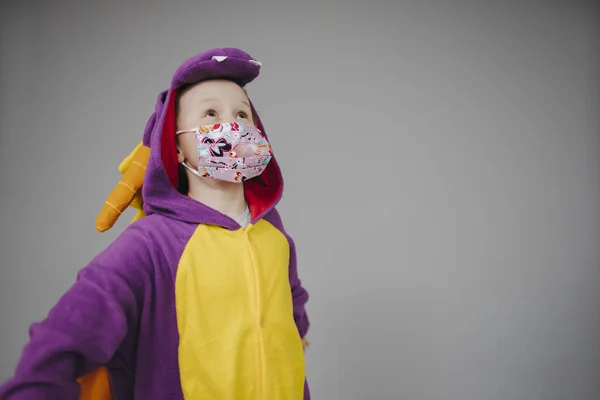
x=442, y=172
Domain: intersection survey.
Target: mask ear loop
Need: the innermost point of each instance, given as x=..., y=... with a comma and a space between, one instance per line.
x=192, y=170
x=184, y=163
x=195, y=130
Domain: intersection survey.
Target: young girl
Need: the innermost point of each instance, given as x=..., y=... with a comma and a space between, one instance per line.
x=200, y=299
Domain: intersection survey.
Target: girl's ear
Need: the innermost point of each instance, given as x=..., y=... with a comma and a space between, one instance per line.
x=180, y=156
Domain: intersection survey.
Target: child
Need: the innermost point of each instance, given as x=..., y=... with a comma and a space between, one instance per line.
x=200, y=299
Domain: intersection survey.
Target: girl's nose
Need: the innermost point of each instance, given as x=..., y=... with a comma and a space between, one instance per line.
x=227, y=117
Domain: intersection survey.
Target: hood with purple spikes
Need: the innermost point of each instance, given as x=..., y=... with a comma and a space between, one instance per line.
x=160, y=190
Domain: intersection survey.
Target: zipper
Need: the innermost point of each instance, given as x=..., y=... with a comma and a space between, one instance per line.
x=258, y=314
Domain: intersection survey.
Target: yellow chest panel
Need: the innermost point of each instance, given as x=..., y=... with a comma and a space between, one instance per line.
x=237, y=336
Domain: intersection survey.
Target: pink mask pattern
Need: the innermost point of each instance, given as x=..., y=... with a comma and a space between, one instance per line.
x=232, y=152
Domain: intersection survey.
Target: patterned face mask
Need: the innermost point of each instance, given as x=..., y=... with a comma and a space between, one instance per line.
x=232, y=152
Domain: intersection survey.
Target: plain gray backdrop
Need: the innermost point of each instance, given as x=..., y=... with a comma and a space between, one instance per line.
x=442, y=172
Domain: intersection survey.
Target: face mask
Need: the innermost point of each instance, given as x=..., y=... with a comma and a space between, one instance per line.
x=232, y=152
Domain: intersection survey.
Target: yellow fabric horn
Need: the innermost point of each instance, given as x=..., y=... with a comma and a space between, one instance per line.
x=128, y=191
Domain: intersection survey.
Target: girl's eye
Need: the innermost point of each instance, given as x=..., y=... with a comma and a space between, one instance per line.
x=210, y=113
x=242, y=114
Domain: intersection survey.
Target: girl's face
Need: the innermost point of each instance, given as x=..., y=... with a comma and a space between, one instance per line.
x=209, y=102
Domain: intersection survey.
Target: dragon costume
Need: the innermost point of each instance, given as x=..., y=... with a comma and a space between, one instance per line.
x=185, y=303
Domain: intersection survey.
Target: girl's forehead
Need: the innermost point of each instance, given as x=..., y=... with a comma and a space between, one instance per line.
x=214, y=90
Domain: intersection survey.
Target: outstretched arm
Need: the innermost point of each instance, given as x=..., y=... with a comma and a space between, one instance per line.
x=85, y=328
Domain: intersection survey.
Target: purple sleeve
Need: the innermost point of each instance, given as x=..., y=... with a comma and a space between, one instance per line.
x=85, y=328
x=299, y=293
x=300, y=298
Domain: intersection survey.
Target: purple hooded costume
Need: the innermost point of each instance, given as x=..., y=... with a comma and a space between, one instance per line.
x=185, y=303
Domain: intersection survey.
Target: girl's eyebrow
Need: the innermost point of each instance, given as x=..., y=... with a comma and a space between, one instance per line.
x=208, y=99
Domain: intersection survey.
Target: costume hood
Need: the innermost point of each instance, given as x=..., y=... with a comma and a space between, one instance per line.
x=151, y=172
